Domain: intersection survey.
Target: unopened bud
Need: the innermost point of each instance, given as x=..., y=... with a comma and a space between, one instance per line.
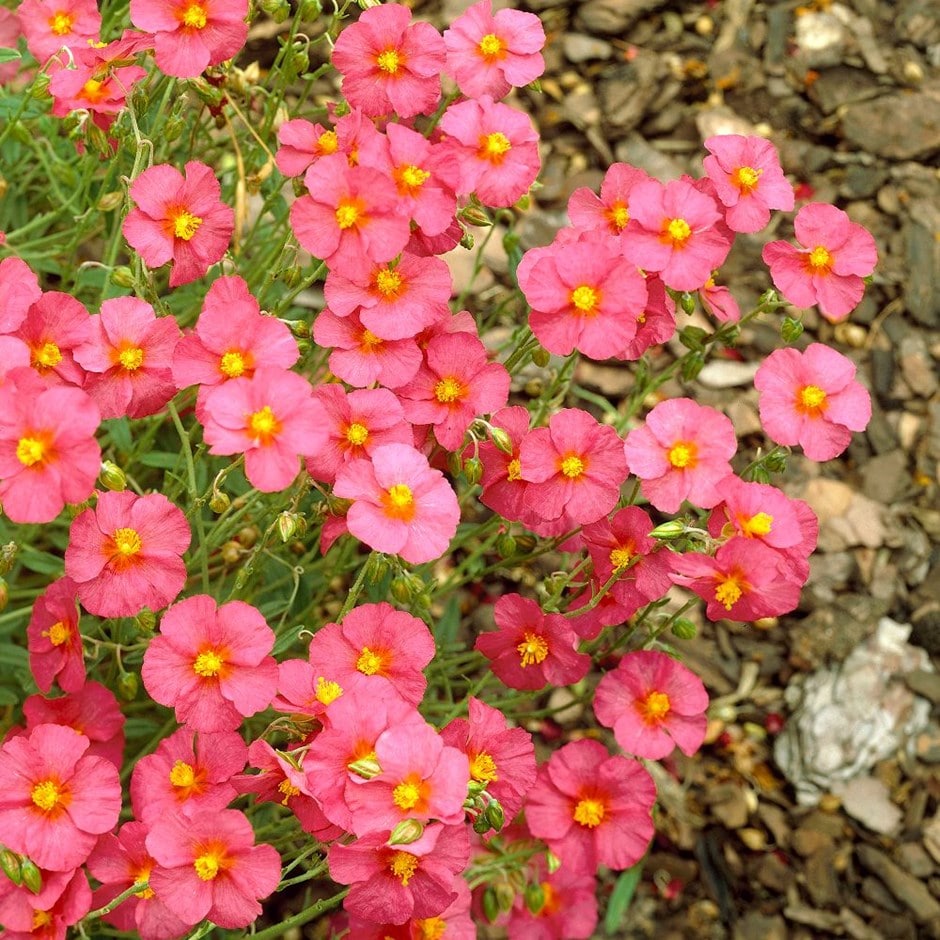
x=506, y=545
x=687, y=302
x=231, y=552
x=541, y=357
x=693, y=337
x=534, y=898
x=366, y=767
x=505, y=896
x=300, y=328
x=309, y=10
x=300, y=60
x=406, y=832
x=552, y=862
x=287, y=525
x=219, y=502
x=473, y=470
x=668, y=530
x=454, y=464
x=791, y=329
x=291, y=276
x=278, y=10
x=110, y=201
x=145, y=621
x=380, y=568
x=481, y=825
x=494, y=815
x=207, y=93
x=475, y=215
x=759, y=475
x=776, y=461
x=127, y=686
x=122, y=276
x=466, y=241
x=684, y=629
x=10, y=864
x=31, y=875
x=40, y=87
x=401, y=589
x=693, y=364
x=97, y=139
x=523, y=202
x=490, y=904
x=7, y=556
x=112, y=477
x=501, y=439
x=173, y=129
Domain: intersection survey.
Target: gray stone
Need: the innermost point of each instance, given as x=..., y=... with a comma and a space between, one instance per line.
x=884, y=477
x=841, y=86
x=910, y=891
x=581, y=48
x=611, y=17
x=899, y=127
x=922, y=287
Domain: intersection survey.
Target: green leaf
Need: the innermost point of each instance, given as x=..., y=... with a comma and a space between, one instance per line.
x=621, y=897
x=9, y=55
x=40, y=562
x=159, y=459
x=445, y=630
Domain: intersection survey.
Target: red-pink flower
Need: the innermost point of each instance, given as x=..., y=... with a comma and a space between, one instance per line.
x=501, y=758
x=756, y=511
x=609, y=213
x=389, y=64
x=126, y=554
x=55, y=800
x=719, y=301
x=63, y=900
x=190, y=35
x=55, y=645
x=390, y=884
x=48, y=25
x=493, y=150
x=829, y=268
x=489, y=54
x=14, y=354
x=19, y=290
x=575, y=467
x=591, y=808
x=128, y=358
x=180, y=217
x=569, y=909
x=656, y=324
x=302, y=143
x=812, y=399
x=654, y=704
x=271, y=418
x=209, y=868
x=503, y=487
x=54, y=325
x=748, y=180
x=212, y=665
x=453, y=923
x=48, y=452
x=677, y=231
x=94, y=83
x=682, y=451
x=400, y=504
x=531, y=648
x=375, y=644
x=745, y=580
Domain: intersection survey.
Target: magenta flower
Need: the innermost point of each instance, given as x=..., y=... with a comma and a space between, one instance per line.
x=756, y=511
x=591, y=808
x=609, y=213
x=489, y=54
x=54, y=325
x=179, y=218
x=503, y=487
x=48, y=25
x=126, y=554
x=19, y=290
x=389, y=64
x=208, y=867
x=453, y=923
x=654, y=704
x=569, y=911
x=212, y=665
x=55, y=645
x=530, y=648
x=302, y=143
x=55, y=800
x=682, y=451
x=400, y=504
x=64, y=900
x=748, y=180
x=829, y=268
x=812, y=399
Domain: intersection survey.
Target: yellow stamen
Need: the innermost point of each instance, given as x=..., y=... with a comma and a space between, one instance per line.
x=131, y=358
x=94, y=91
x=448, y=390
x=532, y=650
x=327, y=690
x=208, y=664
x=585, y=299
x=357, y=434
x=618, y=216
x=811, y=400
x=41, y=919
x=288, y=789
x=61, y=23
x=30, y=451
x=399, y=502
x=746, y=178
x=572, y=466
x=207, y=866
x=183, y=223
x=483, y=768
x=47, y=356
x=263, y=425
x=758, y=524
x=233, y=364
x=389, y=61
x=494, y=147
x=492, y=47
x=388, y=283
x=370, y=662
x=348, y=213
x=620, y=557
x=58, y=633
x=328, y=142
x=142, y=876
x=655, y=708
x=182, y=775
x=677, y=231
x=403, y=865
x=431, y=928
x=127, y=542
x=589, y=812
x=683, y=455
x=407, y=794
x=194, y=16
x=728, y=593
x=514, y=470
x=410, y=178
x=46, y=795
x=370, y=341
x=819, y=260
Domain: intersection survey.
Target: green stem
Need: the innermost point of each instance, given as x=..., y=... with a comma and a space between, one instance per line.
x=302, y=917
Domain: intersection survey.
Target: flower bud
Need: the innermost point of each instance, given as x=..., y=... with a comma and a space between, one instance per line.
x=173, y=129
x=506, y=546
x=10, y=864
x=505, y=896
x=501, y=439
x=309, y=10
x=760, y=475
x=366, y=767
x=231, y=552
x=494, y=815
x=541, y=357
x=219, y=502
x=466, y=241
x=552, y=861
x=287, y=523
x=145, y=621
x=490, y=904
x=401, y=589
x=684, y=629
x=475, y=215
x=687, y=302
x=481, y=825
x=473, y=470
x=4, y=594
x=776, y=462
x=31, y=875
x=668, y=530
x=40, y=87
x=112, y=477
x=691, y=367
x=127, y=686
x=7, y=556
x=791, y=329
x=122, y=276
x=693, y=337
x=291, y=276
x=110, y=201
x=534, y=898
x=406, y=832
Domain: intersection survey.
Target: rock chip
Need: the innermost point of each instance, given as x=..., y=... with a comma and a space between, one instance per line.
x=611, y=17
x=581, y=48
x=910, y=891
x=914, y=120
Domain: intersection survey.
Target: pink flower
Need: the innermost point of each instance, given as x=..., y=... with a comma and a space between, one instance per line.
x=575, y=466
x=19, y=290
x=745, y=580
x=209, y=868
x=190, y=35
x=654, y=704
x=501, y=758
x=54, y=325
x=676, y=231
x=126, y=554
x=187, y=774
x=389, y=64
x=14, y=354
x=349, y=213
x=591, y=808
x=390, y=884
x=211, y=665
x=748, y=180
x=503, y=487
x=400, y=505
x=179, y=218
x=64, y=900
x=48, y=25
x=94, y=84
x=48, y=452
x=453, y=923
x=656, y=324
x=493, y=151
x=531, y=648
x=55, y=800
x=811, y=399
x=569, y=909
x=55, y=645
x=271, y=418
x=829, y=269
x=756, y=511
x=128, y=359
x=302, y=143
x=681, y=452
x=375, y=644
x=609, y=213
x=489, y=55
x=456, y=384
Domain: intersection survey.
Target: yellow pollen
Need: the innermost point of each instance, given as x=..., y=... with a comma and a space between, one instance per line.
x=431, y=928
x=758, y=524
x=398, y=501
x=347, y=214
x=494, y=147
x=369, y=340
x=131, y=358
x=142, y=876
x=403, y=865
x=94, y=91
x=182, y=774
x=491, y=47
x=195, y=16
x=572, y=466
x=41, y=919
x=683, y=454
x=532, y=650
x=47, y=356
x=288, y=789
x=30, y=451
x=208, y=664
x=746, y=178
x=728, y=593
x=412, y=177
x=207, y=866
x=811, y=400
x=820, y=260
x=585, y=299
x=58, y=633
x=328, y=142
x=514, y=470
x=389, y=61
x=370, y=662
x=46, y=795
x=388, y=283
x=263, y=425
x=448, y=390
x=232, y=364
x=483, y=768
x=127, y=542
x=618, y=216
x=620, y=557
x=407, y=795
x=327, y=691
x=185, y=224
x=656, y=707
x=357, y=434
x=678, y=232
x=589, y=812
x=61, y=23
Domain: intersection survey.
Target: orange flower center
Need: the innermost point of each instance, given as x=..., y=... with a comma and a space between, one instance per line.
x=758, y=524
x=654, y=707
x=398, y=501
x=388, y=283
x=46, y=356
x=131, y=358
x=142, y=876
x=410, y=178
x=811, y=401
x=745, y=179
x=233, y=364
x=210, y=863
x=728, y=592
x=264, y=426
x=532, y=650
x=448, y=390
x=181, y=223
x=328, y=142
x=572, y=466
x=683, y=455
x=58, y=633
x=127, y=542
x=589, y=812
x=182, y=775
x=494, y=147
x=61, y=23
x=431, y=928
x=617, y=216
x=357, y=434
x=349, y=212
x=409, y=793
x=483, y=768
x=208, y=664
x=327, y=690
x=677, y=231
x=390, y=61
x=514, y=470
x=370, y=662
x=94, y=91
x=819, y=260
x=620, y=557
x=30, y=451
x=492, y=47
x=585, y=300
x=47, y=795
x=194, y=16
